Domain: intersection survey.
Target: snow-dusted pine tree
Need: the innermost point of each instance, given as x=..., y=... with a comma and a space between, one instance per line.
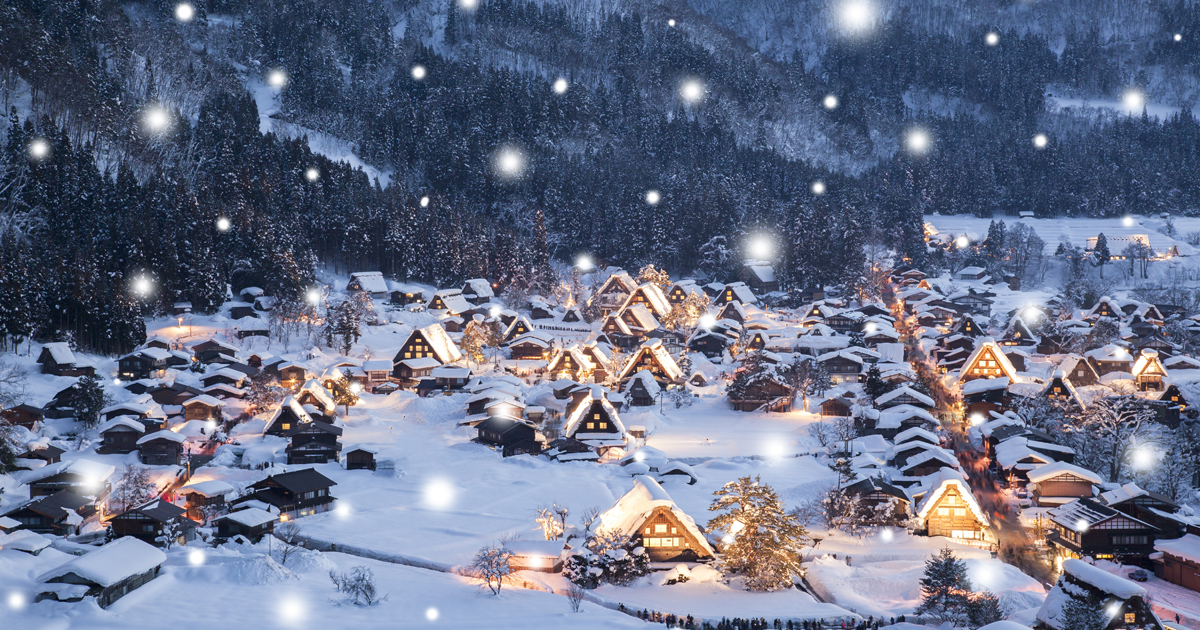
x=762, y=539
x=945, y=589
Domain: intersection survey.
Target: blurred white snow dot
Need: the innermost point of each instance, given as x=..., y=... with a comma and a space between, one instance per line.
x=223, y=224
x=277, y=78
x=196, y=557
x=16, y=600
x=39, y=149
x=1178, y=37
x=918, y=141
x=992, y=39
x=818, y=187
x=830, y=102
x=312, y=174
x=292, y=610
x=431, y=613
x=560, y=86
x=886, y=535
x=1127, y=221
x=343, y=510
x=856, y=15
x=439, y=494
x=418, y=72
x=424, y=202
x=142, y=286
x=1134, y=101
x=671, y=23
x=510, y=162
x=184, y=12
x=653, y=197
x=962, y=242
x=157, y=119
x=708, y=320
x=314, y=296
x=691, y=90
x=469, y=5
x=1040, y=141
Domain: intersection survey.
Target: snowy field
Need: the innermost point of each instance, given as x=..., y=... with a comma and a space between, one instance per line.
x=1075, y=230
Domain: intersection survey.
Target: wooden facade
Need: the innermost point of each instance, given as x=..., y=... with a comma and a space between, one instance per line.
x=951, y=516
x=668, y=540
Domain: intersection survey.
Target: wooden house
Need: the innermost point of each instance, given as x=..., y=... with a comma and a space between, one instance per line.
x=58, y=359
x=314, y=394
x=987, y=361
x=510, y=435
x=1123, y=605
x=1059, y=389
x=759, y=276
x=120, y=435
x=1105, y=307
x=650, y=518
x=971, y=273
x=736, y=292
x=842, y=366
x=732, y=311
x=107, y=574
x=294, y=494
x=642, y=390
x=369, y=282
x=1087, y=527
x=519, y=326
x=56, y=514
x=766, y=394
x=613, y=293
x=405, y=294
x=1180, y=561
x=978, y=303
x=146, y=522
x=360, y=458
x=409, y=371
x=949, y=509
x=874, y=492
x=710, y=343
x=210, y=350
x=1109, y=359
x=224, y=376
x=313, y=442
x=450, y=377
x=904, y=395
x=161, y=448
x=531, y=347
x=429, y=342
x=205, y=498
x=650, y=296
x=573, y=363
x=653, y=357
x=967, y=327
x=202, y=407
x=478, y=291
x=836, y=407
x=84, y=477
x=449, y=301
x=1148, y=371
x=252, y=523
x=1079, y=371
x=592, y=419
x=1060, y=483
x=289, y=415
x=23, y=415
x=42, y=452
x=680, y=290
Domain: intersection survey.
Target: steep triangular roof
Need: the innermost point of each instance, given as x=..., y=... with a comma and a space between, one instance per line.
x=632, y=509
x=939, y=483
x=987, y=350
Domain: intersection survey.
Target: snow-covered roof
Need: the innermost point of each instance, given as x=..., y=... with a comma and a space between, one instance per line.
x=632, y=510
x=377, y=365
x=289, y=403
x=894, y=417
x=940, y=482
x=1187, y=547
x=123, y=558
x=203, y=399
x=442, y=345
x=122, y=421
x=250, y=517
x=1124, y=493
x=85, y=468
x=1010, y=452
x=971, y=271
x=762, y=271
x=210, y=488
x=60, y=352
x=742, y=292
x=905, y=390
x=642, y=315
x=162, y=435
x=1002, y=362
x=594, y=393
x=454, y=300
x=157, y=354
x=913, y=433
x=658, y=351
x=370, y=281
x=1103, y=580
x=1049, y=471
x=1111, y=352
x=480, y=287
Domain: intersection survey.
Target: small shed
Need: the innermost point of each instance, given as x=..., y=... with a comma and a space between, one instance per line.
x=108, y=574
x=361, y=458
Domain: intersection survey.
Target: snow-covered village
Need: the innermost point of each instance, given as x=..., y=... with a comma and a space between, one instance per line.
x=700, y=314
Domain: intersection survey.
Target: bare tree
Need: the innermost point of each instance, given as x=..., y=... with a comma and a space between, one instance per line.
x=590, y=516
x=548, y=523
x=358, y=585
x=169, y=536
x=492, y=565
x=288, y=533
x=1108, y=429
x=575, y=596
x=12, y=384
x=133, y=488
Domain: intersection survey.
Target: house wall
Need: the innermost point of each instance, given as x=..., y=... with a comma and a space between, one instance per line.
x=1176, y=570
x=666, y=539
x=951, y=515
x=1057, y=487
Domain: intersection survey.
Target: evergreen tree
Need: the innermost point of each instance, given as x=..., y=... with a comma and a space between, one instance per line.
x=875, y=386
x=945, y=589
x=89, y=399
x=983, y=609
x=1100, y=254
x=766, y=539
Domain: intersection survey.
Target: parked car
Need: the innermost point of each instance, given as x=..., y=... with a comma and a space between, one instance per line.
x=1139, y=575
x=1022, y=493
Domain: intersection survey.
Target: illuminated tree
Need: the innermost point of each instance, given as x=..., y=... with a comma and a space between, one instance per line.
x=762, y=540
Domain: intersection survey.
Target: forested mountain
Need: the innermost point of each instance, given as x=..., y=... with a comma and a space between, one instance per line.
x=132, y=132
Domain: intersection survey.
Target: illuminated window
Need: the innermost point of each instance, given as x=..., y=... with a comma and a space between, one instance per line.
x=285, y=426
x=591, y=425
x=1130, y=618
x=960, y=511
x=943, y=511
x=660, y=528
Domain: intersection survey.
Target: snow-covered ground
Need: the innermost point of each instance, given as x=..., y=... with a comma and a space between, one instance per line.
x=1075, y=230
x=879, y=574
